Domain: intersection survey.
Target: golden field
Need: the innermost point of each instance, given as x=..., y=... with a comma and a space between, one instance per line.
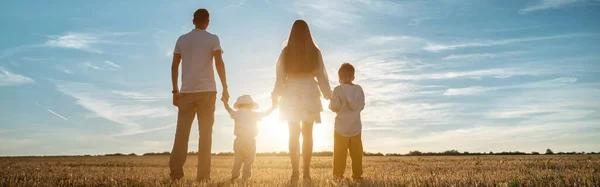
x=529, y=170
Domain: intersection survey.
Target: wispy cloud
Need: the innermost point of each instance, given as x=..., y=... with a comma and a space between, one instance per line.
x=51, y=111
x=111, y=65
x=481, y=56
x=237, y=4
x=106, y=65
x=86, y=41
x=550, y=4
x=67, y=71
x=115, y=106
x=8, y=78
x=75, y=41
x=473, y=90
x=446, y=47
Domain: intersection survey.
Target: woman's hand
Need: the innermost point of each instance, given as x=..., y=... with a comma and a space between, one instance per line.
x=274, y=99
x=327, y=96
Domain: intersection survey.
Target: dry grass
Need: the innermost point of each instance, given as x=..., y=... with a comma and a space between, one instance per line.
x=575, y=170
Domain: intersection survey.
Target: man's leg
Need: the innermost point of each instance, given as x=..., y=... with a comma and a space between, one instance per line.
x=185, y=117
x=340, y=151
x=356, y=154
x=206, y=119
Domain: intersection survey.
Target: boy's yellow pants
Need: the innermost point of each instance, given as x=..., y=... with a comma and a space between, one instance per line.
x=341, y=146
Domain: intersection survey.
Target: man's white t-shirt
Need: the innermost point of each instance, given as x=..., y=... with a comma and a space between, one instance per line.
x=196, y=49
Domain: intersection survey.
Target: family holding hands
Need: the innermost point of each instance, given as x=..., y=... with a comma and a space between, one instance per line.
x=301, y=80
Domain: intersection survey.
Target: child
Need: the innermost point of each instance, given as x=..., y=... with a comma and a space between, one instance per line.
x=347, y=102
x=244, y=146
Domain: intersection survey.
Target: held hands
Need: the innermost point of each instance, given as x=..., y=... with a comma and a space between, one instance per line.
x=327, y=96
x=274, y=100
x=225, y=96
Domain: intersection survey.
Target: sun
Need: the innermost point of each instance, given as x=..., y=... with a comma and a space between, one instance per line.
x=273, y=135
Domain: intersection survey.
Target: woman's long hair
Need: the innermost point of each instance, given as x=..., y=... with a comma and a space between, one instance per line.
x=300, y=55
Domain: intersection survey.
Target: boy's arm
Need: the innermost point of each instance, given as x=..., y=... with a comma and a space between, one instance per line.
x=335, y=102
x=361, y=99
x=228, y=108
x=268, y=112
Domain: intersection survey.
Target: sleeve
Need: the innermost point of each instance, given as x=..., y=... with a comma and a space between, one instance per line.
x=281, y=77
x=336, y=101
x=361, y=99
x=177, y=49
x=323, y=78
x=217, y=45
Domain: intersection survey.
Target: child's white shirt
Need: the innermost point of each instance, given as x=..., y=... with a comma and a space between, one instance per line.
x=246, y=122
x=347, y=102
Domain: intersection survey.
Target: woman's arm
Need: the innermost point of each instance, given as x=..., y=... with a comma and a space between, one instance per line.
x=323, y=79
x=280, y=79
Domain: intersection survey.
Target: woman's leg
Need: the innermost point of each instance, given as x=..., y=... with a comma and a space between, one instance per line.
x=307, y=146
x=294, y=146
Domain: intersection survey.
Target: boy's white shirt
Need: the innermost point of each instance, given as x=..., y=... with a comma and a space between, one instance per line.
x=347, y=102
x=197, y=68
x=246, y=122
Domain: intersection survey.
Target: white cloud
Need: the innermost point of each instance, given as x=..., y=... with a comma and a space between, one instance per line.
x=51, y=111
x=481, y=56
x=111, y=65
x=447, y=47
x=549, y=4
x=85, y=41
x=466, y=91
x=106, y=65
x=113, y=106
x=75, y=41
x=473, y=90
x=8, y=78
x=90, y=65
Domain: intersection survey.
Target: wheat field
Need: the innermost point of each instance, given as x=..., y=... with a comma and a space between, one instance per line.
x=542, y=170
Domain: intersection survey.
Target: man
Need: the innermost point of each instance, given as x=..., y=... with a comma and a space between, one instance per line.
x=197, y=96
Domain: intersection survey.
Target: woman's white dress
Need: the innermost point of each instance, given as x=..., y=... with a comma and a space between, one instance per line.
x=301, y=94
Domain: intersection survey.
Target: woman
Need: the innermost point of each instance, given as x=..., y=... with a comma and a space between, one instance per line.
x=297, y=91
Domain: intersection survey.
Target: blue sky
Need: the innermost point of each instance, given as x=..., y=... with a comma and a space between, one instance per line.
x=93, y=77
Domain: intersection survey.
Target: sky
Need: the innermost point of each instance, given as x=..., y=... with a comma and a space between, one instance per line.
x=93, y=77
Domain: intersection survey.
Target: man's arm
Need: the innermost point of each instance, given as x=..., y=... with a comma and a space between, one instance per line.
x=175, y=76
x=220, y=65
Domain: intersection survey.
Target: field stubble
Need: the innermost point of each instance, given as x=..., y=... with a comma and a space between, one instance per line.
x=543, y=170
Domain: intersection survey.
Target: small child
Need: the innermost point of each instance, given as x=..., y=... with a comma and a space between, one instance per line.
x=347, y=102
x=244, y=146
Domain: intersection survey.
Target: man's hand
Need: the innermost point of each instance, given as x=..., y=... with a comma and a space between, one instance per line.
x=176, y=99
x=225, y=96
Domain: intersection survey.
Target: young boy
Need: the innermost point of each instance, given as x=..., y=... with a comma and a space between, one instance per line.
x=244, y=146
x=347, y=102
